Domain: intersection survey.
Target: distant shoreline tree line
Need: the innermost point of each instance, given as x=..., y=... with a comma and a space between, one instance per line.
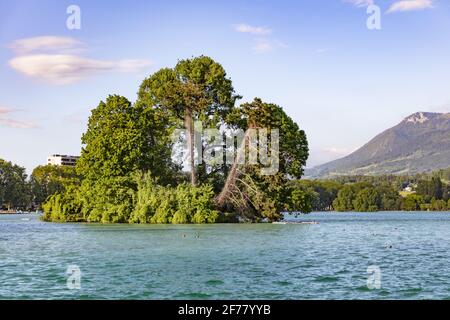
x=20, y=192
x=420, y=192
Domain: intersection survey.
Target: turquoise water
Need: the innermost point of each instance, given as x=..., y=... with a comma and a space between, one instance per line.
x=328, y=260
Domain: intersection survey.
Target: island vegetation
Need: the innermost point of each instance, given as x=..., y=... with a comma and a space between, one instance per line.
x=127, y=172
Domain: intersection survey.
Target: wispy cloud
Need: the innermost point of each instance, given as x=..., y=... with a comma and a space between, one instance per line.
x=44, y=43
x=410, y=5
x=131, y=65
x=263, y=45
x=360, y=3
x=13, y=123
x=5, y=110
x=266, y=45
x=46, y=58
x=66, y=69
x=264, y=42
x=245, y=28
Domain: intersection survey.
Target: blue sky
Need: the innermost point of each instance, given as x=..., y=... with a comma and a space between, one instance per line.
x=342, y=82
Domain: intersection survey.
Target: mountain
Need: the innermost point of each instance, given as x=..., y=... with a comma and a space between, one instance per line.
x=420, y=143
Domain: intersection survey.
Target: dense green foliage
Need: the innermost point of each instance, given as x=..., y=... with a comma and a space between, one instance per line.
x=258, y=195
x=14, y=189
x=433, y=188
x=195, y=89
x=17, y=192
x=321, y=192
x=48, y=180
x=150, y=203
x=183, y=204
x=367, y=198
x=426, y=192
x=122, y=138
x=128, y=174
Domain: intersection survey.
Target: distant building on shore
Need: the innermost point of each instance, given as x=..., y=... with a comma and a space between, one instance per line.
x=62, y=160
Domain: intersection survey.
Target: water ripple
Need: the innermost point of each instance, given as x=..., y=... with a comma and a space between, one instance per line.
x=260, y=261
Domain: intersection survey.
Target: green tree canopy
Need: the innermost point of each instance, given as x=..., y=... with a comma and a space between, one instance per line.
x=122, y=138
x=14, y=189
x=431, y=188
x=196, y=89
x=126, y=165
x=345, y=198
x=251, y=191
x=50, y=179
x=412, y=202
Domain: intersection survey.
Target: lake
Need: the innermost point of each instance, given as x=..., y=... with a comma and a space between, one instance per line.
x=409, y=253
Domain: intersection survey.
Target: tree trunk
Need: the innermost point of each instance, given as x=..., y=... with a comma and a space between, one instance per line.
x=224, y=195
x=188, y=122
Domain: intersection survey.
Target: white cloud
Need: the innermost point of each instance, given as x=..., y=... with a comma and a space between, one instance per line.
x=360, y=3
x=54, y=60
x=66, y=69
x=132, y=65
x=5, y=110
x=263, y=45
x=266, y=45
x=264, y=42
x=44, y=43
x=409, y=5
x=245, y=28
x=12, y=123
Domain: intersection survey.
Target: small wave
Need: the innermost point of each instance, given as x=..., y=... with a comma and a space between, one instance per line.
x=411, y=292
x=283, y=283
x=326, y=279
x=214, y=282
x=363, y=289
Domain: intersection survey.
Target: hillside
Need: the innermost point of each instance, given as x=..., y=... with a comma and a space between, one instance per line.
x=420, y=143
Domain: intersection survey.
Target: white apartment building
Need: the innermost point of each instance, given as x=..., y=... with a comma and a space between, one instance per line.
x=62, y=160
